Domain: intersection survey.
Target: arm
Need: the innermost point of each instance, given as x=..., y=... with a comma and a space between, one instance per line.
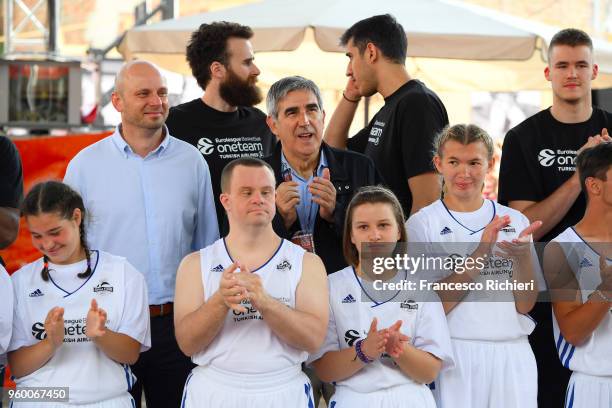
x=552, y=209
x=419, y=365
x=305, y=326
x=26, y=360
x=206, y=226
x=197, y=320
x=336, y=132
x=117, y=346
x=577, y=320
x=9, y=226
x=338, y=365
x=425, y=189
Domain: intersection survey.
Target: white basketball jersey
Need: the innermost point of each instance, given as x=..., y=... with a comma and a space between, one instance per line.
x=6, y=313
x=354, y=303
x=475, y=318
x=594, y=355
x=79, y=364
x=245, y=343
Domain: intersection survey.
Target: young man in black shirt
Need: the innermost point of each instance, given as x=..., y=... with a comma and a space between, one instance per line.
x=538, y=174
x=223, y=124
x=399, y=138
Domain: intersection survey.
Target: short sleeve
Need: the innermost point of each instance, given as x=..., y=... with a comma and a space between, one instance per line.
x=515, y=180
x=416, y=228
x=359, y=141
x=11, y=174
x=432, y=333
x=331, y=342
x=420, y=122
x=207, y=225
x=135, y=321
x=6, y=311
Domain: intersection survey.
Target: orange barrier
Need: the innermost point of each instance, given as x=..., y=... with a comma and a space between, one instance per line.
x=43, y=158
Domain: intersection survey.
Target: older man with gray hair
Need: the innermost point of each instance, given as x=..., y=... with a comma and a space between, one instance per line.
x=315, y=182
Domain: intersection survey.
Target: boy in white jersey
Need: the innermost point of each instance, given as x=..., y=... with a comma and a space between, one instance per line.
x=81, y=316
x=6, y=319
x=488, y=328
x=578, y=267
x=251, y=306
x=381, y=347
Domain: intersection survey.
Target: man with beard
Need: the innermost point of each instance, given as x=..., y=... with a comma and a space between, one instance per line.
x=151, y=200
x=538, y=174
x=223, y=124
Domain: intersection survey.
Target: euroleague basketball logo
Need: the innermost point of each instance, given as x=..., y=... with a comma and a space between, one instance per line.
x=546, y=157
x=205, y=146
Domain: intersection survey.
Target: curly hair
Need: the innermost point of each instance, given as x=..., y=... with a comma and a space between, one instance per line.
x=209, y=44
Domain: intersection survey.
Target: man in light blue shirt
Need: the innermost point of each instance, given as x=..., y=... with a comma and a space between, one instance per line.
x=150, y=200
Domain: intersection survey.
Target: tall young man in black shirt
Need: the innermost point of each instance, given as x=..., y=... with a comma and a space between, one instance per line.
x=223, y=124
x=399, y=138
x=538, y=174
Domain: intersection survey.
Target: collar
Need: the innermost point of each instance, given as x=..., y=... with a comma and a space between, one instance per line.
x=322, y=164
x=126, y=149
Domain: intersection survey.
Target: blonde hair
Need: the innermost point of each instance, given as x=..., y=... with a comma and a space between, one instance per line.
x=464, y=134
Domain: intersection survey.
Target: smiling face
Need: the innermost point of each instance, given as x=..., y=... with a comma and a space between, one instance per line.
x=141, y=96
x=570, y=71
x=464, y=168
x=250, y=199
x=299, y=124
x=56, y=237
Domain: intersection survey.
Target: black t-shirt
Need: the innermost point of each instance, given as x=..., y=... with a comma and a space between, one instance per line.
x=399, y=138
x=11, y=176
x=539, y=155
x=221, y=137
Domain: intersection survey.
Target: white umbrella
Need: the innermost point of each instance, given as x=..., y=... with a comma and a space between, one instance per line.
x=451, y=46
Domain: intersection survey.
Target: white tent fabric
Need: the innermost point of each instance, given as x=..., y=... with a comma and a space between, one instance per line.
x=451, y=46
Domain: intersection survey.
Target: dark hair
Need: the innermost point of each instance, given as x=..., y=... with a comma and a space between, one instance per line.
x=594, y=162
x=228, y=170
x=369, y=195
x=59, y=198
x=384, y=32
x=570, y=36
x=209, y=44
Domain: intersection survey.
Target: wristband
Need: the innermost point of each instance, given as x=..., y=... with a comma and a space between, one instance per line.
x=360, y=354
x=350, y=100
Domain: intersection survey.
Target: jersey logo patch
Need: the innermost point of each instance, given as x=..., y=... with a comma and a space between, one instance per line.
x=445, y=231
x=585, y=263
x=37, y=293
x=349, y=299
x=351, y=336
x=409, y=305
x=38, y=331
x=205, y=146
x=508, y=228
x=283, y=266
x=218, y=268
x=103, y=287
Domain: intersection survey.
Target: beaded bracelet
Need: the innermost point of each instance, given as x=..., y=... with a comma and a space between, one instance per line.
x=360, y=354
x=601, y=295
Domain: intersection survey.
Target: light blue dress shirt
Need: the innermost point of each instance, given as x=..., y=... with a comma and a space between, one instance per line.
x=152, y=210
x=307, y=209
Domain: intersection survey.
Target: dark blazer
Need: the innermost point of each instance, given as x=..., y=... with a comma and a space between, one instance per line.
x=348, y=172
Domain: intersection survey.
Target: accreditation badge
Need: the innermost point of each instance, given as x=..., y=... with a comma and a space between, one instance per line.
x=305, y=240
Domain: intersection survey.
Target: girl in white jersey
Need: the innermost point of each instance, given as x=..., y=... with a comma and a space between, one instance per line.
x=495, y=366
x=380, y=349
x=81, y=316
